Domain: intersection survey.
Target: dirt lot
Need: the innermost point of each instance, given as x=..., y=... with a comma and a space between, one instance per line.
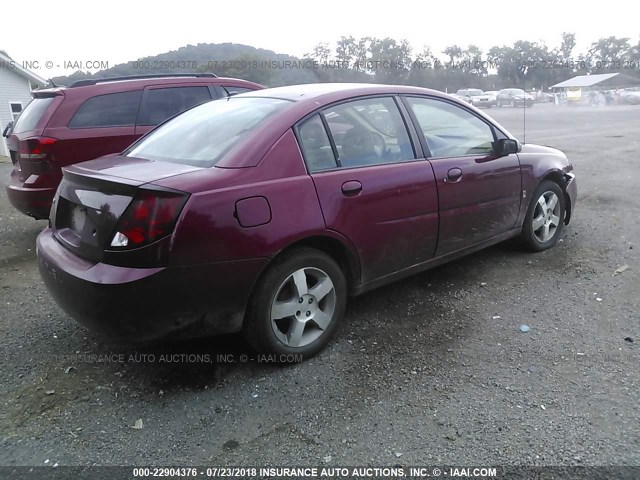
x=431, y=370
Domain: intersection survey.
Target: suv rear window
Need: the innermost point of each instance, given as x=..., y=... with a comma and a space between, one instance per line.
x=31, y=115
x=203, y=135
x=110, y=110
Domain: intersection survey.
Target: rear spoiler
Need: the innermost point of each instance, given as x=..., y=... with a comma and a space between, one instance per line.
x=49, y=93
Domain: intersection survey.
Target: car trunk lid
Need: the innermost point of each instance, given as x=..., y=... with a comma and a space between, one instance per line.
x=93, y=197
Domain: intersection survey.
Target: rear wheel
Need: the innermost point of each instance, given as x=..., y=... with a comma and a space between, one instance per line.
x=297, y=305
x=545, y=217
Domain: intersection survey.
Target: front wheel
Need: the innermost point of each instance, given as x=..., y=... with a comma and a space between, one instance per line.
x=545, y=217
x=297, y=305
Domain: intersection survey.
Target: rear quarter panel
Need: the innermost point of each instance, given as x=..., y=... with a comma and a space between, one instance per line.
x=209, y=230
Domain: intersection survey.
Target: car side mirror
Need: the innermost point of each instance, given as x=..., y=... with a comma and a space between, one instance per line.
x=7, y=130
x=506, y=146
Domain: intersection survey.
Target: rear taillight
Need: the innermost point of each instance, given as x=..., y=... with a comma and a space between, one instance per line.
x=151, y=215
x=38, y=148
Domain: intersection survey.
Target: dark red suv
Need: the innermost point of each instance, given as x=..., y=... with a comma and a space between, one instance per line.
x=92, y=118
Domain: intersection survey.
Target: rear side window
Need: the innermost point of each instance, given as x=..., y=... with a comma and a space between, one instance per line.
x=204, y=134
x=110, y=110
x=160, y=104
x=31, y=115
x=315, y=145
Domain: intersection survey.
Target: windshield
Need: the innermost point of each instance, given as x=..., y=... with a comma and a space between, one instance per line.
x=474, y=92
x=203, y=135
x=30, y=116
x=517, y=91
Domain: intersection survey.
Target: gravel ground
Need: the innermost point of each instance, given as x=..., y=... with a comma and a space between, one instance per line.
x=431, y=370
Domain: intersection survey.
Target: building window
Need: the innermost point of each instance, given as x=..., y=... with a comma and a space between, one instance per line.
x=16, y=108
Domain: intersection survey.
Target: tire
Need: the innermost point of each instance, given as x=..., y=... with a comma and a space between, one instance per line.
x=543, y=226
x=286, y=315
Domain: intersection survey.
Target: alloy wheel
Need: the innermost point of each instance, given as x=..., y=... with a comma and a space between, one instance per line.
x=303, y=307
x=546, y=217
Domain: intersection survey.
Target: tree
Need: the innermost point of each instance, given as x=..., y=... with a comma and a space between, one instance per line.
x=606, y=53
x=472, y=62
x=454, y=52
x=362, y=54
x=347, y=51
x=321, y=53
x=567, y=45
x=391, y=61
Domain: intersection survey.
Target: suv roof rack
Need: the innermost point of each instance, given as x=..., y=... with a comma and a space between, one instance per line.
x=93, y=81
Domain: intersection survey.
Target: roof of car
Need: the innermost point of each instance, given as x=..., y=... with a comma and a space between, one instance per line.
x=158, y=78
x=311, y=91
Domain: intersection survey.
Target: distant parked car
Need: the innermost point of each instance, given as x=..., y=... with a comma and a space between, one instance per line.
x=92, y=118
x=514, y=97
x=492, y=94
x=544, y=97
x=475, y=97
x=263, y=212
x=631, y=97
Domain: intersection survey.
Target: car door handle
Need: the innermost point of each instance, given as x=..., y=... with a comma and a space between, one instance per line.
x=351, y=188
x=454, y=175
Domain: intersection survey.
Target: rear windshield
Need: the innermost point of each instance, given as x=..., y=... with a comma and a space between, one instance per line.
x=203, y=135
x=31, y=115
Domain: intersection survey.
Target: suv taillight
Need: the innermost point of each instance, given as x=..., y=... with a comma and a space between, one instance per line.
x=151, y=215
x=38, y=148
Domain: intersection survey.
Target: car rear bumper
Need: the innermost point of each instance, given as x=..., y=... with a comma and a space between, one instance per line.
x=143, y=305
x=31, y=197
x=35, y=202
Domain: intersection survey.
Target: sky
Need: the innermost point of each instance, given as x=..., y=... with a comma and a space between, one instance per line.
x=55, y=36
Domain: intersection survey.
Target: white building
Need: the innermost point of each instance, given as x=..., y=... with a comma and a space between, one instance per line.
x=16, y=84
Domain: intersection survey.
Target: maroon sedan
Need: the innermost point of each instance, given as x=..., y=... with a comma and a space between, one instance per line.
x=262, y=212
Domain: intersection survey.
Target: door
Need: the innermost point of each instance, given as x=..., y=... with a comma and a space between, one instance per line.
x=370, y=185
x=160, y=103
x=479, y=193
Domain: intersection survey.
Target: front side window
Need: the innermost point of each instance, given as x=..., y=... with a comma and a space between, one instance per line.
x=451, y=131
x=110, y=110
x=203, y=135
x=160, y=104
x=368, y=132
